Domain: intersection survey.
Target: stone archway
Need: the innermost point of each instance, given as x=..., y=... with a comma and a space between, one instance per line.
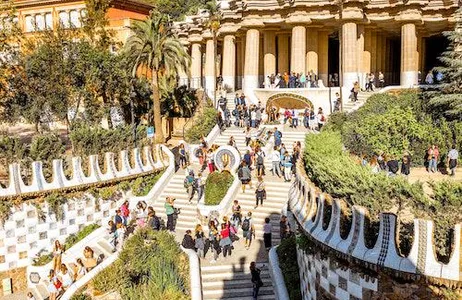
x=288, y=100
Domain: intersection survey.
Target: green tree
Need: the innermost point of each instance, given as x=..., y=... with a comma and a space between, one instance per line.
x=154, y=47
x=179, y=8
x=447, y=99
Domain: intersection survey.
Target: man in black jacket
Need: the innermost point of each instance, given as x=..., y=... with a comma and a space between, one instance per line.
x=188, y=241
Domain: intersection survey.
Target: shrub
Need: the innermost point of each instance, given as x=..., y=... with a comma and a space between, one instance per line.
x=12, y=149
x=150, y=266
x=216, y=187
x=81, y=296
x=287, y=255
x=202, y=125
x=42, y=258
x=143, y=185
x=73, y=239
x=5, y=210
x=55, y=205
x=87, y=140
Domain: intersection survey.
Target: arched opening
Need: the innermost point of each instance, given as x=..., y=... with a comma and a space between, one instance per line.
x=288, y=100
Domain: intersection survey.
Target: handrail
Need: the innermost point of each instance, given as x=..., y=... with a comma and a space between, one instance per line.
x=280, y=288
x=194, y=274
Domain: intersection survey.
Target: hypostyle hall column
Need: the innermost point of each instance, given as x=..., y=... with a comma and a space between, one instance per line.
x=283, y=53
x=269, y=51
x=312, y=56
x=251, y=64
x=196, y=65
x=350, y=55
x=323, y=65
x=298, y=55
x=209, y=66
x=409, y=55
x=229, y=61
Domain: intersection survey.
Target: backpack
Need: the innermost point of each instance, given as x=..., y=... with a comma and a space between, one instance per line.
x=246, y=224
x=240, y=173
x=323, y=118
x=156, y=224
x=187, y=183
x=259, y=159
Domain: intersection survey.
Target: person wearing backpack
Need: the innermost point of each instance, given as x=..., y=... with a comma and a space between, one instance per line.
x=188, y=184
x=198, y=186
x=321, y=119
x=260, y=192
x=260, y=160
x=287, y=163
x=245, y=176
x=188, y=241
x=247, y=230
x=277, y=137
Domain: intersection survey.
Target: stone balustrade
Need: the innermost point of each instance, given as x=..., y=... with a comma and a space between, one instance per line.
x=140, y=164
x=308, y=203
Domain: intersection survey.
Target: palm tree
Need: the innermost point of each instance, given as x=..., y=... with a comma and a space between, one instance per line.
x=153, y=47
x=213, y=24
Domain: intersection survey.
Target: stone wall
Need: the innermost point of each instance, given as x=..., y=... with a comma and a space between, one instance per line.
x=18, y=278
x=34, y=226
x=307, y=203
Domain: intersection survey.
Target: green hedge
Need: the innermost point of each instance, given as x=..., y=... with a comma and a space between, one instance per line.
x=287, y=256
x=334, y=171
x=73, y=239
x=216, y=187
x=150, y=266
x=202, y=125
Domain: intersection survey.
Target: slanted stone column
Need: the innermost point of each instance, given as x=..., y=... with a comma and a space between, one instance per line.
x=269, y=51
x=251, y=65
x=323, y=65
x=350, y=54
x=312, y=56
x=367, y=52
x=240, y=62
x=374, y=53
x=298, y=55
x=360, y=53
x=196, y=65
x=409, y=55
x=209, y=66
x=229, y=61
x=380, y=53
x=283, y=53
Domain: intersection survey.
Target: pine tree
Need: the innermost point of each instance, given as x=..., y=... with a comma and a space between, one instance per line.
x=447, y=99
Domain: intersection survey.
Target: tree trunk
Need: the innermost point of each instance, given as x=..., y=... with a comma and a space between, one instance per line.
x=156, y=107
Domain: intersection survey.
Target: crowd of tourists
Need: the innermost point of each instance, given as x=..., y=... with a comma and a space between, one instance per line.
x=291, y=80
x=394, y=165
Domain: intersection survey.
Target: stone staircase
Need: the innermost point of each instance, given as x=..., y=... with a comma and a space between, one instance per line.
x=349, y=106
x=229, y=278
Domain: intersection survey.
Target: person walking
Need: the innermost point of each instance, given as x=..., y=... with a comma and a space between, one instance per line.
x=284, y=228
x=210, y=161
x=260, y=161
x=248, y=135
x=433, y=154
x=214, y=238
x=188, y=184
x=321, y=119
x=453, y=156
x=237, y=214
x=260, y=192
x=256, y=279
x=199, y=186
x=199, y=242
x=248, y=230
x=406, y=164
x=277, y=137
x=381, y=80
x=183, y=156
x=276, y=162
x=170, y=211
x=306, y=117
x=267, y=228
x=225, y=240
x=287, y=163
x=245, y=176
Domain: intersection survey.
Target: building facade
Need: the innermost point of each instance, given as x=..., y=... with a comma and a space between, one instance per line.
x=399, y=38
x=38, y=15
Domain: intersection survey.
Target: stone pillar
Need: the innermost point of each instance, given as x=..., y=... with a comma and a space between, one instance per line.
x=383, y=58
x=283, y=53
x=378, y=58
x=323, y=62
x=269, y=50
x=229, y=61
x=350, y=54
x=359, y=57
x=312, y=50
x=196, y=65
x=367, y=68
x=209, y=66
x=298, y=55
x=251, y=63
x=409, y=55
x=374, y=53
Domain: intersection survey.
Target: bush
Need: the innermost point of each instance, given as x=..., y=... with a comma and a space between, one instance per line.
x=287, y=255
x=12, y=149
x=143, y=185
x=42, y=259
x=73, y=239
x=202, y=125
x=216, y=187
x=55, y=205
x=150, y=266
x=87, y=140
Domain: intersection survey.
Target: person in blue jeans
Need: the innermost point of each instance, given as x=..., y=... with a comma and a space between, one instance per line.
x=306, y=117
x=277, y=137
x=433, y=154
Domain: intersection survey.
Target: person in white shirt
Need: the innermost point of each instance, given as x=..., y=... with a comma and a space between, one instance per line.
x=321, y=119
x=253, y=118
x=453, y=155
x=276, y=162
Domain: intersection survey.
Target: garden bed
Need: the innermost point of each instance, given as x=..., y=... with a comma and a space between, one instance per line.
x=216, y=187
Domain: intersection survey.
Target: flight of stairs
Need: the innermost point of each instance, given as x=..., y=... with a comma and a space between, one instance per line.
x=349, y=106
x=229, y=278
